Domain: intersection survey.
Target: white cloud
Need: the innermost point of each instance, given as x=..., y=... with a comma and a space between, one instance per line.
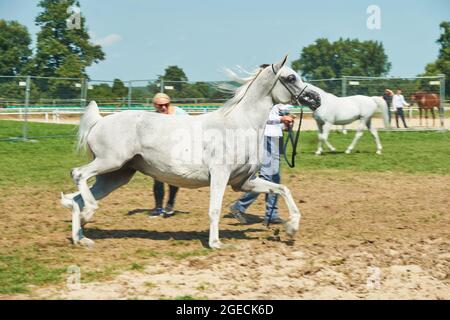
x=107, y=41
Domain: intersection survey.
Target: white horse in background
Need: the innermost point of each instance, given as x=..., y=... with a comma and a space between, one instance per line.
x=130, y=141
x=345, y=110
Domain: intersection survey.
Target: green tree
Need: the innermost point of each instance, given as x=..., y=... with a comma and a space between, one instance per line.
x=174, y=73
x=100, y=92
x=442, y=64
x=15, y=51
x=118, y=89
x=63, y=50
x=344, y=57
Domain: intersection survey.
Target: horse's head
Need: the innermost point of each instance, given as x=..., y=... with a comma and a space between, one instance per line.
x=289, y=87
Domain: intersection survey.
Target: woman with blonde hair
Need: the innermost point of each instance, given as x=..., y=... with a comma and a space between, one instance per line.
x=162, y=104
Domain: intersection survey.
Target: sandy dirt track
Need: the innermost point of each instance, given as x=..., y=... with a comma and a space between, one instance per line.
x=359, y=239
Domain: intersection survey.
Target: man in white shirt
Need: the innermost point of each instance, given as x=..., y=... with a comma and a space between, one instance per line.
x=398, y=102
x=270, y=169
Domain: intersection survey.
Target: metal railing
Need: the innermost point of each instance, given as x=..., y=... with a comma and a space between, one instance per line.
x=51, y=98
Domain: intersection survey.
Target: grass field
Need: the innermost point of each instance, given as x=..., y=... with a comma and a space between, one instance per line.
x=30, y=172
x=49, y=161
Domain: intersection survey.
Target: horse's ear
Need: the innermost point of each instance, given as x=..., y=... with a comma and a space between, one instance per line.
x=277, y=66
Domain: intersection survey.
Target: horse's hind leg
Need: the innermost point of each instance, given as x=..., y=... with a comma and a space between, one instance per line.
x=80, y=177
x=358, y=135
x=104, y=185
x=434, y=116
x=374, y=133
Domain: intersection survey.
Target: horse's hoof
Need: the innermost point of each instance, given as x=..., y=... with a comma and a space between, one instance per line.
x=291, y=230
x=318, y=153
x=348, y=151
x=378, y=152
x=86, y=242
x=333, y=150
x=216, y=245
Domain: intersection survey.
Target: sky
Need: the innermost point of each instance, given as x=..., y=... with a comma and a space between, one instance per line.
x=142, y=37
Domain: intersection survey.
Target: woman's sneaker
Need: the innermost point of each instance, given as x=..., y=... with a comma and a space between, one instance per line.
x=276, y=220
x=156, y=212
x=238, y=215
x=168, y=211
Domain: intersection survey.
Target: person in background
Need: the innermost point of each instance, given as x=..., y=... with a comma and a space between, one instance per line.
x=387, y=96
x=162, y=104
x=270, y=169
x=398, y=102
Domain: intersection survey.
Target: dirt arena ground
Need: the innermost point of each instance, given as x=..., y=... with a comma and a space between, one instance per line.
x=362, y=236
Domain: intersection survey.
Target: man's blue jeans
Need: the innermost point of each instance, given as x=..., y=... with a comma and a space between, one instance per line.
x=270, y=171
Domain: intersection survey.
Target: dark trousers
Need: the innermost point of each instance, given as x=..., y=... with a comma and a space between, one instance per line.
x=158, y=193
x=399, y=112
x=389, y=114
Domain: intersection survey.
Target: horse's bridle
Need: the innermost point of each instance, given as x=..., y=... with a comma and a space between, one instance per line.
x=296, y=97
x=291, y=138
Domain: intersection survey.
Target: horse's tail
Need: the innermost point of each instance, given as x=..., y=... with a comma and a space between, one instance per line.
x=383, y=108
x=90, y=117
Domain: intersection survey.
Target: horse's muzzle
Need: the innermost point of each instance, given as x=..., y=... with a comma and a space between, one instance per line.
x=310, y=98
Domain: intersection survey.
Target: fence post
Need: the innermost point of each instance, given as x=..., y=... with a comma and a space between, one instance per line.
x=82, y=97
x=344, y=86
x=129, y=93
x=27, y=103
x=442, y=97
x=161, y=85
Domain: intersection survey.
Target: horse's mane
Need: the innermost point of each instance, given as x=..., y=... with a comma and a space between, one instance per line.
x=239, y=92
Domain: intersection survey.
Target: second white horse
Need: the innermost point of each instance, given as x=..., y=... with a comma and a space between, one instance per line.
x=344, y=110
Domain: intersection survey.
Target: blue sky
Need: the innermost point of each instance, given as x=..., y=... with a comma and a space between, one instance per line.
x=142, y=37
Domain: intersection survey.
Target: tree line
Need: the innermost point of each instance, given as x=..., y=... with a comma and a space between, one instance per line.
x=63, y=52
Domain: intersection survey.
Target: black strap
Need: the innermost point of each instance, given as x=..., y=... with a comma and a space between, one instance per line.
x=294, y=142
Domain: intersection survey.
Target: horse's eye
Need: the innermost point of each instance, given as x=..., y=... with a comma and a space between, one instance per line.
x=291, y=78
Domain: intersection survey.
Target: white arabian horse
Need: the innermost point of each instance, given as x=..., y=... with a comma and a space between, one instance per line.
x=344, y=110
x=130, y=141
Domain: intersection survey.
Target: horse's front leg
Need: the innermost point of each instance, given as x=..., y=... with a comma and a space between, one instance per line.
x=218, y=182
x=326, y=131
x=263, y=186
x=319, y=135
